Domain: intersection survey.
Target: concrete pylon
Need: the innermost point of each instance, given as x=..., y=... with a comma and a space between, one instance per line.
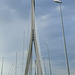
x=33, y=38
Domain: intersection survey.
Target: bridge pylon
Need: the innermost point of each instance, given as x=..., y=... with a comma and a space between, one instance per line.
x=33, y=40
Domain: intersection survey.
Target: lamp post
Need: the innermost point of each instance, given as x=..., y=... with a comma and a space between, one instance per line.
x=16, y=65
x=35, y=67
x=2, y=65
x=49, y=59
x=44, y=65
x=64, y=37
x=23, y=54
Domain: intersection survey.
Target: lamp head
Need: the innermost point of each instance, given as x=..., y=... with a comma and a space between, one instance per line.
x=57, y=1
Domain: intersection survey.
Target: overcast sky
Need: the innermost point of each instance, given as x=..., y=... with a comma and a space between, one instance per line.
x=15, y=18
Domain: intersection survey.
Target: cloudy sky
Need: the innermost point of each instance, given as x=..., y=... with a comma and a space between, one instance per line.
x=15, y=19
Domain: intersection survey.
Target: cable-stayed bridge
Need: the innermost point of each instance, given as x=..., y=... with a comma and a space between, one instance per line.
x=34, y=41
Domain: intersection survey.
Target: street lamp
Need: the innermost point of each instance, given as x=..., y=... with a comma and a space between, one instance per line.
x=2, y=65
x=49, y=59
x=35, y=67
x=44, y=65
x=64, y=37
x=16, y=65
